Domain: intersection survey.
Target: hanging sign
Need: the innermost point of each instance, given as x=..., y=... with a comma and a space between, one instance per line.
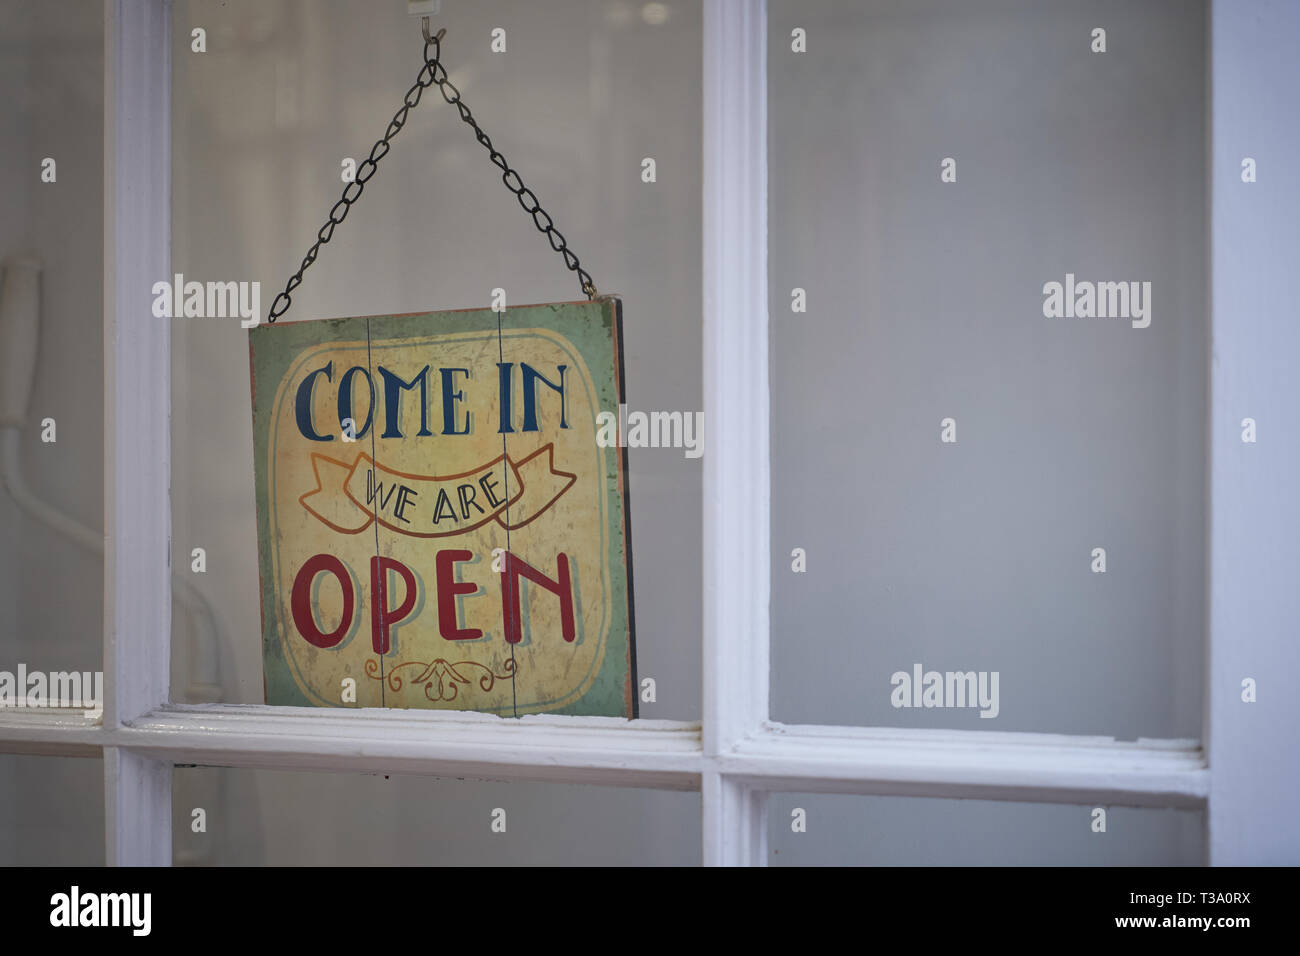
x=438, y=524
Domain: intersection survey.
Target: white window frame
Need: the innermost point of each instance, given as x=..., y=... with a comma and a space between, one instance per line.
x=737, y=755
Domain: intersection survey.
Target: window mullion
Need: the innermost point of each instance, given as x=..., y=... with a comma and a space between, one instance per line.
x=1252, y=710
x=137, y=401
x=736, y=465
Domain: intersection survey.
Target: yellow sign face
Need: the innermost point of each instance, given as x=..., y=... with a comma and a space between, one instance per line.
x=438, y=525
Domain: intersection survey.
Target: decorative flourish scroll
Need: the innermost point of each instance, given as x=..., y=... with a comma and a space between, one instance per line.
x=440, y=674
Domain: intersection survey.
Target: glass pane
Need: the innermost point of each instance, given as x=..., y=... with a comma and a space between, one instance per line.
x=839, y=830
x=224, y=817
x=981, y=488
x=265, y=122
x=51, y=811
x=51, y=343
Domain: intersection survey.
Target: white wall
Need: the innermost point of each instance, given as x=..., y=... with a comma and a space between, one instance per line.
x=51, y=590
x=925, y=302
x=850, y=830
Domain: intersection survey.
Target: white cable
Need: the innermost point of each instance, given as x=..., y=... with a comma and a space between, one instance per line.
x=188, y=596
x=13, y=479
x=20, y=310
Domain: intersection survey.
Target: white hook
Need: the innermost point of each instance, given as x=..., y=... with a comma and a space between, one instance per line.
x=435, y=38
x=425, y=9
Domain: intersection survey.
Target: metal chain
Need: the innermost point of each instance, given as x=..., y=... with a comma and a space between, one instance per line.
x=432, y=72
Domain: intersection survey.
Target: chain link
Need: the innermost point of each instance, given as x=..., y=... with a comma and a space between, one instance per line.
x=430, y=73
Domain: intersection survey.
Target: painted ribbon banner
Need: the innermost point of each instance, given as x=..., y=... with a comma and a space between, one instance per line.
x=432, y=507
x=438, y=526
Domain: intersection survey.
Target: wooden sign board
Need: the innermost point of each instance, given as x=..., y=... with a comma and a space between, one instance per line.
x=438, y=524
